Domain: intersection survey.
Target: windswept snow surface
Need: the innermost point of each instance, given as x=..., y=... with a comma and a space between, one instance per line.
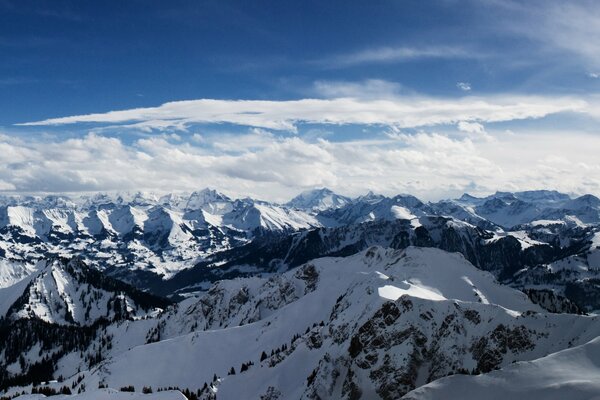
x=572, y=374
x=59, y=293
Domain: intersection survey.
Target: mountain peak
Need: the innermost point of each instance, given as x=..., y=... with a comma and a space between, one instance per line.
x=370, y=196
x=542, y=196
x=200, y=198
x=585, y=200
x=318, y=200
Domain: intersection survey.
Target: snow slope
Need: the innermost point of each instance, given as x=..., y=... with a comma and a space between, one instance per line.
x=12, y=272
x=439, y=303
x=65, y=293
x=572, y=374
x=112, y=394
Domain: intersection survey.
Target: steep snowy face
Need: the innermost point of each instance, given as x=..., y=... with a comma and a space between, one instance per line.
x=28, y=220
x=210, y=201
x=508, y=214
x=254, y=216
x=462, y=212
x=574, y=275
x=125, y=220
x=586, y=208
x=67, y=293
x=568, y=374
x=166, y=229
x=372, y=207
x=549, y=198
x=318, y=200
x=542, y=198
x=12, y=272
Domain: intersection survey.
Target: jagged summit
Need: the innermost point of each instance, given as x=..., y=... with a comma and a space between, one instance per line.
x=371, y=196
x=202, y=198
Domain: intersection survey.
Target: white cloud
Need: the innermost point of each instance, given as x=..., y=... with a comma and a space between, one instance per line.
x=464, y=86
x=197, y=138
x=575, y=27
x=273, y=167
x=395, y=54
x=471, y=127
x=401, y=111
x=571, y=27
x=593, y=75
x=474, y=129
x=256, y=138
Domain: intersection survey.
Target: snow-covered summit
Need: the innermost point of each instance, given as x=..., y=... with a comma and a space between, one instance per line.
x=205, y=198
x=318, y=200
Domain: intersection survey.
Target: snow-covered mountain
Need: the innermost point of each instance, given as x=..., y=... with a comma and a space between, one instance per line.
x=373, y=207
x=166, y=243
x=323, y=297
x=510, y=209
x=318, y=200
x=158, y=235
x=70, y=293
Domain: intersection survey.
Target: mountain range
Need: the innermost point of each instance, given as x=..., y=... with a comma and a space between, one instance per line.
x=325, y=296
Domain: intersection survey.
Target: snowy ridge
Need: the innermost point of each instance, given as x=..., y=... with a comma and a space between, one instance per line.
x=568, y=374
x=348, y=294
x=67, y=293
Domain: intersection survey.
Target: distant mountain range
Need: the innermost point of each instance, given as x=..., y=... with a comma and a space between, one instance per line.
x=159, y=236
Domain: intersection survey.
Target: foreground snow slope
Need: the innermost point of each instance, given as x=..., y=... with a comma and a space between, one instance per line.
x=572, y=374
x=379, y=323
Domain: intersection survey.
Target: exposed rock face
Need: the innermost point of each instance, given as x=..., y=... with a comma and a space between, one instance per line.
x=552, y=302
x=395, y=352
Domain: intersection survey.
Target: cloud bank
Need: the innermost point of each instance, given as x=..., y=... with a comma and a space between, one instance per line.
x=264, y=165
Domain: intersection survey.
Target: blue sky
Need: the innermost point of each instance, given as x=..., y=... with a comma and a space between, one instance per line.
x=427, y=97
